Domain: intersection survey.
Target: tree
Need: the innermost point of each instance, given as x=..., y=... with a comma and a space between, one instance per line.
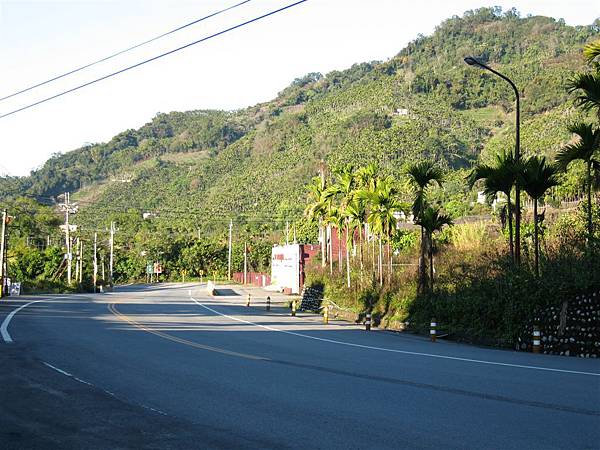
x=383, y=203
x=367, y=177
x=316, y=210
x=591, y=53
x=431, y=220
x=344, y=186
x=499, y=177
x=537, y=178
x=356, y=215
x=586, y=85
x=586, y=148
x=421, y=175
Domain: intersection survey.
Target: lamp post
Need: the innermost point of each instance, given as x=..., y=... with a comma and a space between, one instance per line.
x=474, y=62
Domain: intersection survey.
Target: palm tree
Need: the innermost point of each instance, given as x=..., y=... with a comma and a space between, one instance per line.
x=591, y=53
x=538, y=177
x=587, y=87
x=367, y=177
x=382, y=206
x=344, y=186
x=586, y=148
x=587, y=84
x=316, y=210
x=356, y=215
x=499, y=177
x=431, y=221
x=334, y=220
x=421, y=175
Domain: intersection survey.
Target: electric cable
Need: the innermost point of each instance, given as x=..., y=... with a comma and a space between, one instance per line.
x=242, y=24
x=106, y=58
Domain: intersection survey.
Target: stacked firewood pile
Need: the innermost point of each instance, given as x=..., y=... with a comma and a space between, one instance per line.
x=571, y=329
x=311, y=298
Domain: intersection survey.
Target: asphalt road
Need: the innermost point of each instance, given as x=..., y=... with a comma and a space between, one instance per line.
x=182, y=370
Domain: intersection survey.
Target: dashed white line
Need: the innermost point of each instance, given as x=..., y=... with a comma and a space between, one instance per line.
x=70, y=375
x=392, y=350
x=57, y=369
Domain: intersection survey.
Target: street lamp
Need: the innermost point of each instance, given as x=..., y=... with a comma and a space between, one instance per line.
x=474, y=62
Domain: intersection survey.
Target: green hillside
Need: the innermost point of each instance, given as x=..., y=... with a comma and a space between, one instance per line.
x=204, y=167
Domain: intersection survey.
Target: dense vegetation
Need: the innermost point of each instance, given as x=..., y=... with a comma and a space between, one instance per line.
x=191, y=172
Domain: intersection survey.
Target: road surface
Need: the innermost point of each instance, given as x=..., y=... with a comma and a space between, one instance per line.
x=167, y=366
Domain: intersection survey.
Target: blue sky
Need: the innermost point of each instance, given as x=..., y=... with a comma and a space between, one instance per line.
x=40, y=39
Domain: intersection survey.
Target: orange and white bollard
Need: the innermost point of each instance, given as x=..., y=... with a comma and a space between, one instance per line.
x=248, y=301
x=268, y=303
x=326, y=314
x=433, y=330
x=293, y=307
x=535, y=348
x=368, y=322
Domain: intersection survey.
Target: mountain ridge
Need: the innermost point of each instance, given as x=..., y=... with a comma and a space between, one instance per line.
x=422, y=103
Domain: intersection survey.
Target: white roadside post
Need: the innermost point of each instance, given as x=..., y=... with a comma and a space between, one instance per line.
x=433, y=330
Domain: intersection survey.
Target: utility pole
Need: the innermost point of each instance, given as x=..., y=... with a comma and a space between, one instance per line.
x=229, y=257
x=2, y=251
x=80, y=261
x=95, y=276
x=77, y=256
x=68, y=237
x=112, y=248
x=245, y=264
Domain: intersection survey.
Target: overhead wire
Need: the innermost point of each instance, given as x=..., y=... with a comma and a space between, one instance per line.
x=162, y=55
x=114, y=55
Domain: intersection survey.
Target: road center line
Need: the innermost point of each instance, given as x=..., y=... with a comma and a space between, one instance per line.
x=112, y=308
x=6, y=322
x=391, y=350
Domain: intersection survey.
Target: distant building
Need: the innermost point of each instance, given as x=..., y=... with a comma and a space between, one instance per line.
x=401, y=112
x=287, y=266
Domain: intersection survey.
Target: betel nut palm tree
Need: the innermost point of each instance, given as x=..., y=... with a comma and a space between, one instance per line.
x=421, y=175
x=538, y=176
x=432, y=220
x=586, y=148
x=501, y=176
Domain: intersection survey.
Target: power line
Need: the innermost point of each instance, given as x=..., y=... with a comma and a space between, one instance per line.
x=154, y=58
x=123, y=51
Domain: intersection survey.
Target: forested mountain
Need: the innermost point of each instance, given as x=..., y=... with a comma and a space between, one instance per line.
x=204, y=167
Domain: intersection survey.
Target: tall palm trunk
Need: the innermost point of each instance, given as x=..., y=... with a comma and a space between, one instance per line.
x=380, y=263
x=340, y=252
x=373, y=258
x=535, y=237
x=511, y=244
x=430, y=250
x=390, y=261
x=589, y=204
x=360, y=250
x=323, y=244
x=348, y=255
x=330, y=249
x=422, y=269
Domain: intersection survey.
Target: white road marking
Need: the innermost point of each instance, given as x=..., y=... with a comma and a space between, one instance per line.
x=391, y=350
x=70, y=375
x=6, y=322
x=57, y=369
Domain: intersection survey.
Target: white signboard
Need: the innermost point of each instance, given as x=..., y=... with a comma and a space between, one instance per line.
x=285, y=267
